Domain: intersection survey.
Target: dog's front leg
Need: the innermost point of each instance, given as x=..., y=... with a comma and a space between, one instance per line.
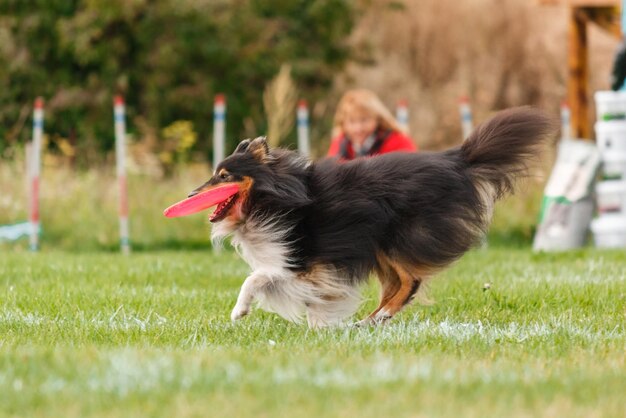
x=249, y=289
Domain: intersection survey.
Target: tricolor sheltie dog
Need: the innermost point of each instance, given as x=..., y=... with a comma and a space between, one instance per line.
x=312, y=232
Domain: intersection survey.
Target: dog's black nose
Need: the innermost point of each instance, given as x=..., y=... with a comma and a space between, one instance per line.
x=192, y=194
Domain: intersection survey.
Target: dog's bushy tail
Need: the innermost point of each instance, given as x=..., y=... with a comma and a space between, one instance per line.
x=499, y=150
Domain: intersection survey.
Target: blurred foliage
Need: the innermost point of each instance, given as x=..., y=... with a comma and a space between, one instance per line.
x=179, y=137
x=167, y=57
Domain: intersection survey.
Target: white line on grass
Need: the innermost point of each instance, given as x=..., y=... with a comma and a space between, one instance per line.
x=396, y=332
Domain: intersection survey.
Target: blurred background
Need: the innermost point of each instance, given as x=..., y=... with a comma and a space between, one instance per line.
x=169, y=58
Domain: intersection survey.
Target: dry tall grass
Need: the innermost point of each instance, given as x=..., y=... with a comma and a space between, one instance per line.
x=500, y=53
x=78, y=208
x=279, y=98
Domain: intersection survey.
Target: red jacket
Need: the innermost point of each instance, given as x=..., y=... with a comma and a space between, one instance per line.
x=393, y=141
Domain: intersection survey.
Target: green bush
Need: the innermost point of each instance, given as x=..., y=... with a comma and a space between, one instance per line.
x=167, y=57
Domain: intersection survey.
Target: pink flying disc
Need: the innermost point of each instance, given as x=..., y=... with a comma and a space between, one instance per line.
x=201, y=201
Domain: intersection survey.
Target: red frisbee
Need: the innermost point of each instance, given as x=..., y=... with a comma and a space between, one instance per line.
x=201, y=201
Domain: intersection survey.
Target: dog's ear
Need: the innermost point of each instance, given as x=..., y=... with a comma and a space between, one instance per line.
x=259, y=148
x=242, y=147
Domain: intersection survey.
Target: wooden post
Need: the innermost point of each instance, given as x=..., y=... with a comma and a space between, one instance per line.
x=578, y=69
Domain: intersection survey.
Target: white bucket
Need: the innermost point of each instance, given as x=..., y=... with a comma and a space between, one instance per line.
x=609, y=231
x=611, y=196
x=614, y=165
x=610, y=105
x=611, y=137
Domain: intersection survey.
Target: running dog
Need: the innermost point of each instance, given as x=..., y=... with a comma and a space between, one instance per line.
x=312, y=232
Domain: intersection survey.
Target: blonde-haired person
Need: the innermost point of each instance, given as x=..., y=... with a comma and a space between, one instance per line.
x=364, y=126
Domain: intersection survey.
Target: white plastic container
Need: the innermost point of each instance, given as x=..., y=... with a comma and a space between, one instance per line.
x=568, y=206
x=611, y=196
x=614, y=165
x=611, y=137
x=609, y=231
x=610, y=105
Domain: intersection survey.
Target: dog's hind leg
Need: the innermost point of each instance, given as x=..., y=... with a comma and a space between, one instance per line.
x=398, y=287
x=409, y=285
x=389, y=285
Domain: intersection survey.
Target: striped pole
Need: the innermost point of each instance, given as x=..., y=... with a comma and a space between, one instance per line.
x=467, y=126
x=219, y=128
x=466, y=116
x=120, y=158
x=34, y=173
x=402, y=114
x=566, y=128
x=303, y=128
x=28, y=151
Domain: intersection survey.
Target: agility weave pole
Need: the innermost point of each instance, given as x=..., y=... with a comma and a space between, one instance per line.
x=566, y=117
x=120, y=158
x=219, y=128
x=34, y=172
x=467, y=124
x=303, y=128
x=402, y=114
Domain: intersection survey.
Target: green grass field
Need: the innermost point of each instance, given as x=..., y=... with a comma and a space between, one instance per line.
x=85, y=331
x=97, y=334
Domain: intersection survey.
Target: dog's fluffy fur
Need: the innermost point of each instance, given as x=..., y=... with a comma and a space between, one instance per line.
x=312, y=232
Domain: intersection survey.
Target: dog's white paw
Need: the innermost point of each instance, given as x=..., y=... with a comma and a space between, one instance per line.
x=382, y=316
x=363, y=323
x=239, y=312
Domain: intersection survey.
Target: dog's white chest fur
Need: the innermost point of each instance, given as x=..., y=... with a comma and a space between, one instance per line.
x=320, y=294
x=263, y=246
